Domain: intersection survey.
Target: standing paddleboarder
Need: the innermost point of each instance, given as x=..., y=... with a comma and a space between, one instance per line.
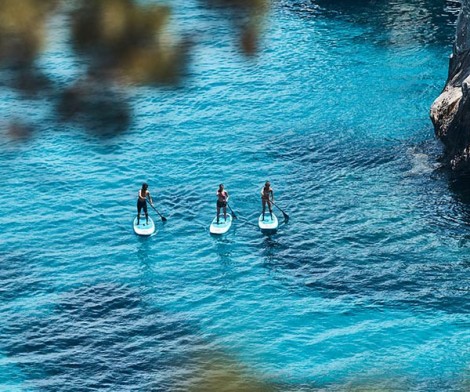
x=267, y=197
x=222, y=199
x=142, y=202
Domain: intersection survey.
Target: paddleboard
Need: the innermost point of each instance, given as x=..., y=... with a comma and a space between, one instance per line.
x=268, y=224
x=144, y=228
x=223, y=226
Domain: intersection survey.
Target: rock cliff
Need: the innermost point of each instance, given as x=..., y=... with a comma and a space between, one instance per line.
x=450, y=112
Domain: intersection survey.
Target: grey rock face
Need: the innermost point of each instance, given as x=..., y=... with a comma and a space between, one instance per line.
x=450, y=112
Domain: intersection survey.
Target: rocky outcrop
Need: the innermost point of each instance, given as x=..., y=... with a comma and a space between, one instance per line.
x=450, y=112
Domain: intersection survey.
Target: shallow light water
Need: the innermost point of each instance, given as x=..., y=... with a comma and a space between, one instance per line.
x=366, y=285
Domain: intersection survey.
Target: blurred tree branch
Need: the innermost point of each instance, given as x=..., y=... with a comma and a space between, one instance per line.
x=122, y=42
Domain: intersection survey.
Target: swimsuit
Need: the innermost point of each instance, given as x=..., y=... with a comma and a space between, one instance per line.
x=141, y=204
x=265, y=195
x=223, y=202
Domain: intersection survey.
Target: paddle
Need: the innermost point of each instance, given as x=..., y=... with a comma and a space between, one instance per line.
x=161, y=216
x=286, y=217
x=233, y=213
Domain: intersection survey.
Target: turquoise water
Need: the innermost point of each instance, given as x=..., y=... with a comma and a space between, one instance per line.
x=366, y=285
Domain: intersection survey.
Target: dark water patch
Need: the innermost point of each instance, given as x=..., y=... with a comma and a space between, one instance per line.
x=460, y=188
x=400, y=22
x=100, y=337
x=182, y=202
x=445, y=202
x=20, y=276
x=104, y=337
x=341, y=151
x=102, y=111
x=382, y=280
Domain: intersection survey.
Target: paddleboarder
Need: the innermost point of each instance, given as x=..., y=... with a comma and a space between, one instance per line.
x=222, y=199
x=142, y=202
x=267, y=197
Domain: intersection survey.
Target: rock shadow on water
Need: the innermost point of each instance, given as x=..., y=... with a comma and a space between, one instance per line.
x=456, y=210
x=460, y=187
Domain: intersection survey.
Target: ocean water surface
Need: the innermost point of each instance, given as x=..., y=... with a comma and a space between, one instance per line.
x=366, y=286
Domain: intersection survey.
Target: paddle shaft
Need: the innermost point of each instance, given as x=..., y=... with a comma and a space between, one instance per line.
x=286, y=217
x=161, y=216
x=233, y=213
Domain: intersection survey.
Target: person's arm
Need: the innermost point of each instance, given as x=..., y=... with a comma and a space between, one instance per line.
x=150, y=198
x=226, y=196
x=272, y=195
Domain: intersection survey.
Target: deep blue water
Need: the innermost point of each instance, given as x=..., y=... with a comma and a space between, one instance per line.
x=366, y=286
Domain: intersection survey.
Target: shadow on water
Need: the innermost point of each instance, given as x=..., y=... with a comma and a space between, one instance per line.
x=398, y=22
x=104, y=336
x=77, y=340
x=450, y=200
x=458, y=209
x=19, y=276
x=460, y=187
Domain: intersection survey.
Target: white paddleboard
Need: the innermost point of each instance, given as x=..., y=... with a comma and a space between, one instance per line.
x=144, y=228
x=223, y=226
x=268, y=223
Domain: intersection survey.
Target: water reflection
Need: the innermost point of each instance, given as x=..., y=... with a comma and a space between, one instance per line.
x=144, y=250
x=224, y=246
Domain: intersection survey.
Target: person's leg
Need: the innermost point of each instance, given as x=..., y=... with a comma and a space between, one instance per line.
x=225, y=212
x=270, y=209
x=139, y=207
x=146, y=213
x=218, y=213
x=263, y=201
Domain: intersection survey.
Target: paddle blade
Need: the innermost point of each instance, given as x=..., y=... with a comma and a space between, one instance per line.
x=163, y=219
x=233, y=213
x=286, y=217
